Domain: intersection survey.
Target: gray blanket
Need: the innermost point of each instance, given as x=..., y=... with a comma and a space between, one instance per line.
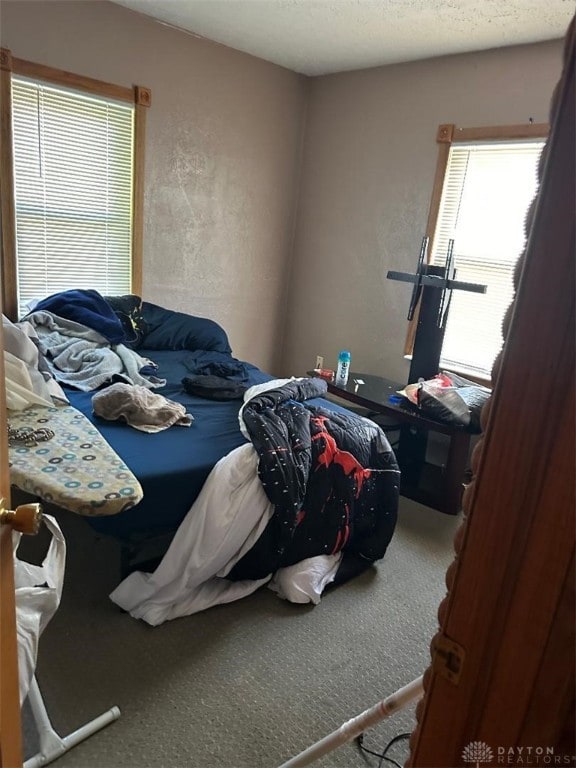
x=83, y=358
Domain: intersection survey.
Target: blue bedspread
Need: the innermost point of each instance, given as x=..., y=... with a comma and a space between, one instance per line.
x=171, y=465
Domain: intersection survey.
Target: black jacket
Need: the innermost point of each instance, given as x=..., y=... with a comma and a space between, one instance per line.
x=332, y=477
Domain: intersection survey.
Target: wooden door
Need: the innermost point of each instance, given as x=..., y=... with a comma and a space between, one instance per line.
x=500, y=690
x=10, y=729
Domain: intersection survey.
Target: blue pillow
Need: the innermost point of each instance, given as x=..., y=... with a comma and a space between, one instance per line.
x=176, y=330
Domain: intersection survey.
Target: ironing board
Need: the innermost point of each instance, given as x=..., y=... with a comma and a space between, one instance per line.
x=75, y=468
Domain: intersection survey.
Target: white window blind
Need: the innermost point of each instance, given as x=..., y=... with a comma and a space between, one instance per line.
x=487, y=191
x=73, y=178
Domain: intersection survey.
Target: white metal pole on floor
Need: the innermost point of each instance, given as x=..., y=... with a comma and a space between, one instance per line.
x=51, y=744
x=357, y=725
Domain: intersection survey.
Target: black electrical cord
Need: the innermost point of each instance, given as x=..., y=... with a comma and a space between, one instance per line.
x=382, y=755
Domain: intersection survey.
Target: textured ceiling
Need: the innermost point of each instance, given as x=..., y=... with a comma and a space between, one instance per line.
x=317, y=37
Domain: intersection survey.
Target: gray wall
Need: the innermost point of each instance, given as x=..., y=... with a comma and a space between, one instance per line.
x=369, y=163
x=224, y=135
x=227, y=188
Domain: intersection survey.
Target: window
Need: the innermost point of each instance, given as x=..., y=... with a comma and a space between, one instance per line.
x=76, y=159
x=488, y=180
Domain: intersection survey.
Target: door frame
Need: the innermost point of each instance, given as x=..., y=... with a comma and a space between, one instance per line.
x=10, y=723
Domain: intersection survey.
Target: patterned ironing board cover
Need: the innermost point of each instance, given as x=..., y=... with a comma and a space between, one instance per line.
x=76, y=469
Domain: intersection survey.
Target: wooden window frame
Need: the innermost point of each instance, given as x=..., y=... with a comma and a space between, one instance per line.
x=138, y=95
x=447, y=135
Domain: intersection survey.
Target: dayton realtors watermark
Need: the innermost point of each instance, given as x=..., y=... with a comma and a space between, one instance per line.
x=479, y=753
x=531, y=756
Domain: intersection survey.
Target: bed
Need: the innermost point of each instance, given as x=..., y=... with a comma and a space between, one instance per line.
x=172, y=465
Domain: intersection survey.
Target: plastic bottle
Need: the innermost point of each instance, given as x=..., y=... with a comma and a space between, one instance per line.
x=343, y=368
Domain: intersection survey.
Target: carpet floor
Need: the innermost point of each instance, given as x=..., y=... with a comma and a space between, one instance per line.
x=244, y=685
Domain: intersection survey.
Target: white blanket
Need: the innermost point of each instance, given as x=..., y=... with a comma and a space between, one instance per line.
x=20, y=390
x=226, y=519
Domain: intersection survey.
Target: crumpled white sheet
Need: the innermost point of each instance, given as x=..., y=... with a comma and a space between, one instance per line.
x=230, y=513
x=305, y=581
x=226, y=519
x=20, y=392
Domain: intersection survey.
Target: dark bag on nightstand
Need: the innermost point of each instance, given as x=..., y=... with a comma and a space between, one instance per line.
x=443, y=404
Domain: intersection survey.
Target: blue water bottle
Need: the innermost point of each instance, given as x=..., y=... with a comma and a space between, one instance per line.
x=343, y=368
